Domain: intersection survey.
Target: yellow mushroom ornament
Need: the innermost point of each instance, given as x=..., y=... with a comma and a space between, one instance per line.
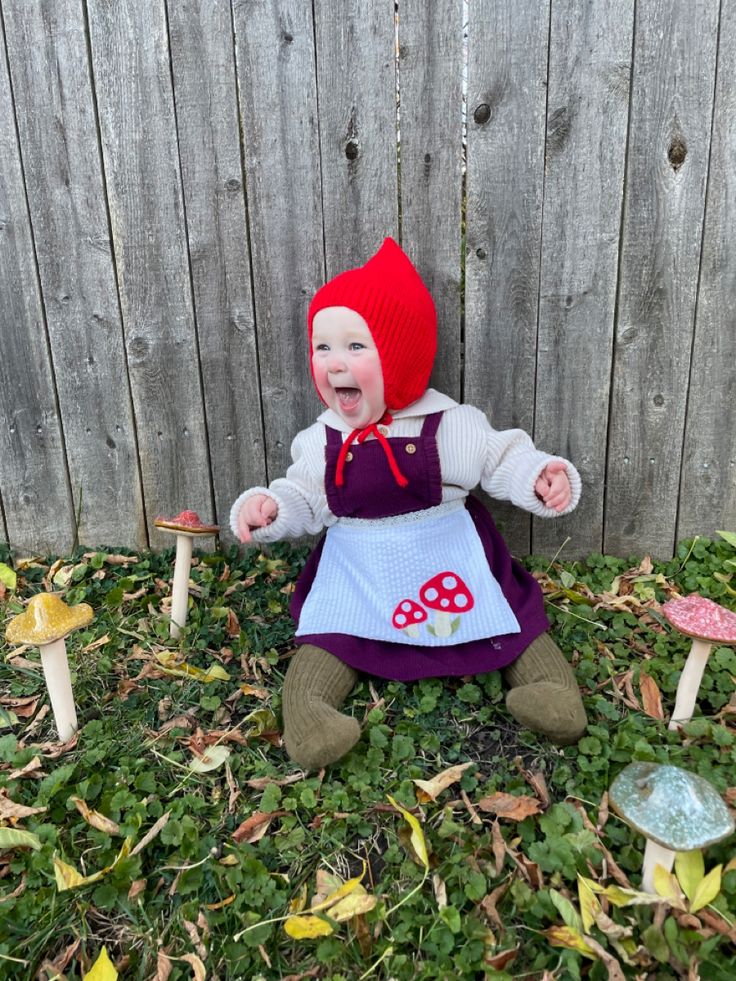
x=45, y=624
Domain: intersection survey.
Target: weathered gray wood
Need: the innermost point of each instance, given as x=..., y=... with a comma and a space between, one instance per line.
x=47, y=51
x=203, y=64
x=671, y=109
x=278, y=101
x=507, y=72
x=133, y=83
x=430, y=81
x=33, y=473
x=3, y=526
x=708, y=484
x=356, y=72
x=588, y=100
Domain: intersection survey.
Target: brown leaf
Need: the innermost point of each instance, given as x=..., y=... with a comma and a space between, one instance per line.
x=232, y=627
x=10, y=811
x=489, y=903
x=499, y=846
x=24, y=708
x=603, y=812
x=233, y=787
x=255, y=827
x=32, y=769
x=62, y=961
x=195, y=938
x=650, y=696
x=18, y=891
x=137, y=887
x=164, y=967
x=94, y=818
x=440, y=891
x=499, y=961
x=100, y=642
x=510, y=807
x=260, y=783
x=536, y=781
x=261, y=693
x=151, y=834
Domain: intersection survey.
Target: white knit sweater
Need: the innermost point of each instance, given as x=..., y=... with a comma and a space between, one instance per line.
x=505, y=464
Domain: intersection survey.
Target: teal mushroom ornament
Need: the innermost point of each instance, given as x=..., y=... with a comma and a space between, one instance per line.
x=675, y=810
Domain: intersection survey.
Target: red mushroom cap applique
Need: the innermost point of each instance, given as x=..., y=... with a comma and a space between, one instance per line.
x=408, y=615
x=446, y=594
x=186, y=521
x=697, y=616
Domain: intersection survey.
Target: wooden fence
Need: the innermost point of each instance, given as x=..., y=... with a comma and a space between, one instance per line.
x=177, y=178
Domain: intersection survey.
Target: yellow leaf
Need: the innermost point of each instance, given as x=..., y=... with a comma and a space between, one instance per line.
x=667, y=886
x=564, y=936
x=67, y=876
x=94, y=818
x=13, y=838
x=690, y=870
x=355, y=904
x=434, y=787
x=212, y=757
x=626, y=897
x=307, y=927
x=707, y=890
x=589, y=903
x=729, y=868
x=299, y=901
x=167, y=661
x=344, y=890
x=102, y=969
x=417, y=837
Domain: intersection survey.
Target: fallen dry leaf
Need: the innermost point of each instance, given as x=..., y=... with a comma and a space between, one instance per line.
x=431, y=789
x=650, y=696
x=137, y=887
x=491, y=901
x=32, y=769
x=499, y=961
x=164, y=967
x=255, y=827
x=499, y=846
x=94, y=818
x=150, y=835
x=440, y=891
x=24, y=708
x=10, y=811
x=260, y=783
x=510, y=807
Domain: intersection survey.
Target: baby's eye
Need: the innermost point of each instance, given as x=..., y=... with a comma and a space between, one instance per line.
x=321, y=347
x=357, y=346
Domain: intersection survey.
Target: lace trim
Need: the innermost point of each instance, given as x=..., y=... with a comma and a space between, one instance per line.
x=412, y=517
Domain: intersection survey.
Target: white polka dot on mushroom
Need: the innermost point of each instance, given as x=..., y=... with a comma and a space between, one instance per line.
x=431, y=594
x=444, y=603
x=449, y=582
x=400, y=618
x=406, y=605
x=461, y=599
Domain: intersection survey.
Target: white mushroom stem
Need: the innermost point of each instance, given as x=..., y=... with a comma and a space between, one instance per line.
x=180, y=589
x=687, y=688
x=412, y=630
x=654, y=855
x=59, y=684
x=442, y=623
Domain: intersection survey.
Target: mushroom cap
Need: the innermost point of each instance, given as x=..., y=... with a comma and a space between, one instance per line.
x=46, y=619
x=408, y=612
x=186, y=522
x=675, y=808
x=699, y=617
x=447, y=593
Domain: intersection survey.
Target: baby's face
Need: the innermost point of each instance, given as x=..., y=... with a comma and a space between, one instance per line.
x=347, y=367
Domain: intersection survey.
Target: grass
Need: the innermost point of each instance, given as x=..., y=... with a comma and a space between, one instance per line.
x=253, y=837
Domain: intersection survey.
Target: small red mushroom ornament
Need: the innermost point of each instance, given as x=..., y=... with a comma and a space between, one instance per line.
x=407, y=617
x=448, y=596
x=186, y=525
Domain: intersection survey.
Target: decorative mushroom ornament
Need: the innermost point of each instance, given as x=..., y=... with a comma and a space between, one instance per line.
x=46, y=623
x=186, y=526
x=448, y=596
x=675, y=810
x=708, y=624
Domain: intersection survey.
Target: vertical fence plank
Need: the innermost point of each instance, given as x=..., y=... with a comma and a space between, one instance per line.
x=671, y=107
x=33, y=473
x=56, y=120
x=507, y=75
x=276, y=75
x=356, y=74
x=708, y=485
x=588, y=100
x=207, y=121
x=133, y=81
x=430, y=81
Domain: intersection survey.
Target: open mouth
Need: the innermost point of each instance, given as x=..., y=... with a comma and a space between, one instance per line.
x=348, y=397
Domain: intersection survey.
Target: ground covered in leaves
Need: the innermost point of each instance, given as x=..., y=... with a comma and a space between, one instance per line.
x=174, y=832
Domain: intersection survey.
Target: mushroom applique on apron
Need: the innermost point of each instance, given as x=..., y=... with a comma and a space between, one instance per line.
x=403, y=576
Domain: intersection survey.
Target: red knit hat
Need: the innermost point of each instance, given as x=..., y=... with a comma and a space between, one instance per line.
x=390, y=296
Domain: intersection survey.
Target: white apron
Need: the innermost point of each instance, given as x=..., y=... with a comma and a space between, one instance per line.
x=420, y=578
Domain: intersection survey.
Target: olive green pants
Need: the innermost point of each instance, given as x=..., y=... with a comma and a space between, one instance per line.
x=544, y=697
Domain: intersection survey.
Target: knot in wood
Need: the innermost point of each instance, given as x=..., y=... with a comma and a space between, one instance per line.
x=482, y=113
x=677, y=152
x=351, y=150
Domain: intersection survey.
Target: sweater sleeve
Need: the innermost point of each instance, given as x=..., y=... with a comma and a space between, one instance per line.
x=299, y=496
x=512, y=466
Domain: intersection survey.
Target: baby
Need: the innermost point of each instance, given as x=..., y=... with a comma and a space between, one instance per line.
x=412, y=579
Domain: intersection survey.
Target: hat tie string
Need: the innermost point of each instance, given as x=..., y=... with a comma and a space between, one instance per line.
x=361, y=435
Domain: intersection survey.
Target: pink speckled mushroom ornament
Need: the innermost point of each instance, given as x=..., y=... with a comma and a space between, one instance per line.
x=707, y=623
x=186, y=525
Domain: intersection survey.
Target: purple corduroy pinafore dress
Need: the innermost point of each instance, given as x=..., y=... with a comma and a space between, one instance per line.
x=370, y=491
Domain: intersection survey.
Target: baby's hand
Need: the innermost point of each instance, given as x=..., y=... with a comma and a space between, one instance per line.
x=553, y=486
x=256, y=512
